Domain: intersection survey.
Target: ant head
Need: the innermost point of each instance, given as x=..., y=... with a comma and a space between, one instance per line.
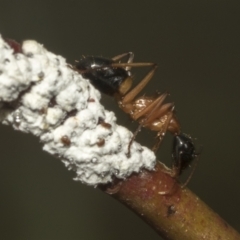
x=183, y=151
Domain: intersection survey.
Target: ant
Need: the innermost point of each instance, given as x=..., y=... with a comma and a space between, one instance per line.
x=114, y=78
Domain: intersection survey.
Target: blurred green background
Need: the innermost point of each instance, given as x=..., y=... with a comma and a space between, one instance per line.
x=195, y=43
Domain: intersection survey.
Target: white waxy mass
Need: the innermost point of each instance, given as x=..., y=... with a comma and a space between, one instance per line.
x=42, y=95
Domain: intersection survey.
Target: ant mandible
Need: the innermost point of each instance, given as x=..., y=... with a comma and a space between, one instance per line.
x=114, y=78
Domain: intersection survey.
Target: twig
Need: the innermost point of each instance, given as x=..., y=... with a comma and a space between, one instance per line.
x=179, y=215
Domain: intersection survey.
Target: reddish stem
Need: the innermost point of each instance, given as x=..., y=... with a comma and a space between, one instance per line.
x=179, y=215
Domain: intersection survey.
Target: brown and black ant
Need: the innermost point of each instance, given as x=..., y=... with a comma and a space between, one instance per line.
x=114, y=78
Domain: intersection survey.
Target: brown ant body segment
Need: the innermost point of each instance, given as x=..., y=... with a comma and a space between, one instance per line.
x=115, y=79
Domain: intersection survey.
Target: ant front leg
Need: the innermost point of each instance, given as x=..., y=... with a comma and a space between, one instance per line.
x=130, y=59
x=129, y=64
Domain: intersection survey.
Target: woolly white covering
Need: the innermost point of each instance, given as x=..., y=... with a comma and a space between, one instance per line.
x=42, y=95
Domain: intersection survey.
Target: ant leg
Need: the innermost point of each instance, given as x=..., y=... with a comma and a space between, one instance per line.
x=133, y=138
x=120, y=56
x=130, y=59
x=136, y=90
x=129, y=64
x=140, y=64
